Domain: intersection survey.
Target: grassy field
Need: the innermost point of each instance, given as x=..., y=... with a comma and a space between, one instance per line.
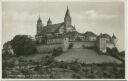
x=86, y=56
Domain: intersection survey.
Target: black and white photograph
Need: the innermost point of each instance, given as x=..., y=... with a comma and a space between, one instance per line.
x=67, y=80
x=63, y=39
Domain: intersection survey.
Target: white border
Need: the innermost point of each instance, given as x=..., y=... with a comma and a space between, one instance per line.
x=1, y=40
x=126, y=39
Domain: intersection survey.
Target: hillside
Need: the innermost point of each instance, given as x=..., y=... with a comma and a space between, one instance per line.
x=86, y=56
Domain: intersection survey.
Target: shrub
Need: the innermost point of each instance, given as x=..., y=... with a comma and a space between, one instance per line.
x=23, y=45
x=70, y=45
x=57, y=52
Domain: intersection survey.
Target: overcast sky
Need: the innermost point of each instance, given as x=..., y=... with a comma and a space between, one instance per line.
x=99, y=17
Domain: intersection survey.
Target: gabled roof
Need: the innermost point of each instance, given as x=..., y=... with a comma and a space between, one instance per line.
x=51, y=28
x=106, y=36
x=89, y=33
x=74, y=33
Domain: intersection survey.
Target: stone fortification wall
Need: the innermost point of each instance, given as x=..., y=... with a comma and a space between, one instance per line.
x=53, y=44
x=85, y=43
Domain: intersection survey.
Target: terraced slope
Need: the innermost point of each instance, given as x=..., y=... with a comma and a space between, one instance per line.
x=86, y=56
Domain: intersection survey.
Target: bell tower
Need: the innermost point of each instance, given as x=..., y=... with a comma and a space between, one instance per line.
x=67, y=18
x=49, y=22
x=39, y=26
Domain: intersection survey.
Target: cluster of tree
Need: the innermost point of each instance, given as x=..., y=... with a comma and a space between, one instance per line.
x=70, y=46
x=115, y=53
x=79, y=70
x=57, y=52
x=23, y=45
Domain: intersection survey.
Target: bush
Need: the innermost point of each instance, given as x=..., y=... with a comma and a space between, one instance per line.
x=57, y=52
x=23, y=45
x=70, y=45
x=75, y=66
x=76, y=76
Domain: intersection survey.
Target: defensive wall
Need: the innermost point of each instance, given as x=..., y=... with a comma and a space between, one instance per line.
x=53, y=44
x=64, y=44
x=85, y=43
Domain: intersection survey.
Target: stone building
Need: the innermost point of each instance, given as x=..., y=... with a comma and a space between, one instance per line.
x=53, y=36
x=54, y=30
x=105, y=41
x=90, y=36
x=53, y=44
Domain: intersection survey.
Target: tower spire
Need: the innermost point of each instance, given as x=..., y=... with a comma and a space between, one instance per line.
x=67, y=12
x=39, y=19
x=67, y=18
x=39, y=25
x=49, y=22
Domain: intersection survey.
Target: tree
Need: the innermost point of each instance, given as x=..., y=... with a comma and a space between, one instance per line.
x=115, y=51
x=75, y=66
x=23, y=45
x=57, y=52
x=109, y=51
x=70, y=45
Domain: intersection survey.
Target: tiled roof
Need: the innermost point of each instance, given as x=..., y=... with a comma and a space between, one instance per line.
x=74, y=33
x=51, y=28
x=106, y=36
x=89, y=33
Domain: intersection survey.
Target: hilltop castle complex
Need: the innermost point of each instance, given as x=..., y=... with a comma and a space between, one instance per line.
x=62, y=34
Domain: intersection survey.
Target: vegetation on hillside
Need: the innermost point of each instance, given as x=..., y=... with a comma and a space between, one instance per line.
x=16, y=66
x=115, y=53
x=23, y=45
x=47, y=67
x=70, y=46
x=57, y=52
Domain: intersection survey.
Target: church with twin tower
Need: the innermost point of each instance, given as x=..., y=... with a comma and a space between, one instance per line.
x=64, y=33
x=54, y=30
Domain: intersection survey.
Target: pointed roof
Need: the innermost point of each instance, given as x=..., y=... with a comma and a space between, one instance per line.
x=49, y=20
x=67, y=12
x=114, y=36
x=39, y=19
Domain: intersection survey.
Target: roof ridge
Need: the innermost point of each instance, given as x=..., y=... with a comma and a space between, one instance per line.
x=54, y=24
